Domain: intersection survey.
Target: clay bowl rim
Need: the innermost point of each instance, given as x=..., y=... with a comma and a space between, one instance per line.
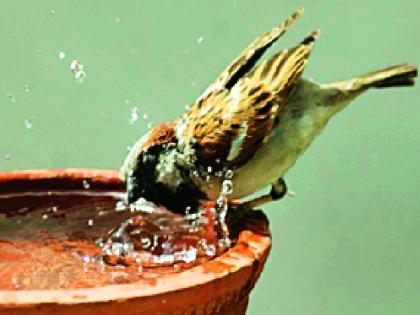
x=249, y=248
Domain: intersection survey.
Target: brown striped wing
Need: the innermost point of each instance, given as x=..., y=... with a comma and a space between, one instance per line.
x=248, y=58
x=231, y=124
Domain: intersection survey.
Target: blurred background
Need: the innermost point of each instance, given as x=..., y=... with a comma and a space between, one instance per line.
x=348, y=242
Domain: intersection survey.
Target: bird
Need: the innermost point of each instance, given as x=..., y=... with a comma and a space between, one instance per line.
x=248, y=128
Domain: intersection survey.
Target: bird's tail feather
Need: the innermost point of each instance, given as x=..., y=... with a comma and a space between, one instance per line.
x=401, y=75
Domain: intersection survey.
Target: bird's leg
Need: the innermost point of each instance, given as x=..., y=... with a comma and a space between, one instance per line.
x=278, y=190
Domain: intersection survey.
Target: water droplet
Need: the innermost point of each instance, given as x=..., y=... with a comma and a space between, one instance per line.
x=7, y=156
x=200, y=40
x=210, y=250
x=90, y=222
x=145, y=116
x=127, y=101
x=11, y=97
x=291, y=193
x=193, y=83
x=187, y=210
x=77, y=68
x=187, y=107
x=227, y=187
x=120, y=206
x=61, y=55
x=134, y=115
x=44, y=216
x=54, y=209
x=27, y=87
x=229, y=174
x=146, y=242
x=86, y=184
x=117, y=20
x=52, y=12
x=80, y=76
x=75, y=65
x=28, y=124
x=209, y=169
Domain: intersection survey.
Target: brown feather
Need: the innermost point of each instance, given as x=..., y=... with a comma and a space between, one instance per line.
x=230, y=123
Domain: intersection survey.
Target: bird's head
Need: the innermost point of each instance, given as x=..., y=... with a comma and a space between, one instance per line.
x=152, y=171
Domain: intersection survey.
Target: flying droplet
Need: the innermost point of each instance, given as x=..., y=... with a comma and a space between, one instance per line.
x=52, y=12
x=149, y=125
x=200, y=40
x=11, y=97
x=229, y=174
x=77, y=68
x=291, y=193
x=145, y=116
x=61, y=55
x=27, y=87
x=75, y=65
x=80, y=76
x=134, y=115
x=117, y=20
x=227, y=187
x=7, y=156
x=44, y=216
x=90, y=222
x=28, y=124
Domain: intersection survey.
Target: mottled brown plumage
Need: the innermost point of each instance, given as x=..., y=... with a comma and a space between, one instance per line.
x=254, y=121
x=244, y=106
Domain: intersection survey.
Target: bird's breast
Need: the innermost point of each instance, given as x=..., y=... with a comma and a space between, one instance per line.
x=301, y=121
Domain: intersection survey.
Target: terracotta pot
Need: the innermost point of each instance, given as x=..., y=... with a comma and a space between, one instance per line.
x=218, y=286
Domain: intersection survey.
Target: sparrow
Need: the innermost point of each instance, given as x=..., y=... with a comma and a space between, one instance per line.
x=247, y=129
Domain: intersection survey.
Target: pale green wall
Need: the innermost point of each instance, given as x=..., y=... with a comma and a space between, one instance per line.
x=349, y=242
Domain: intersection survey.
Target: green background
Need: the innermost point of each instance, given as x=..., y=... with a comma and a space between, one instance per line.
x=349, y=242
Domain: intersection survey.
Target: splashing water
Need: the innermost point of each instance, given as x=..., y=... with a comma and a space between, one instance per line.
x=157, y=237
x=222, y=205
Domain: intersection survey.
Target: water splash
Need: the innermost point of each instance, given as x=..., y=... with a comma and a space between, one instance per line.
x=158, y=237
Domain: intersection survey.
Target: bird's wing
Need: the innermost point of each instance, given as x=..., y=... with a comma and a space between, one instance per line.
x=248, y=58
x=229, y=124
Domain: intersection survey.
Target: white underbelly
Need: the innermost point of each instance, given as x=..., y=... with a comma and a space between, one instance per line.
x=286, y=143
x=302, y=120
